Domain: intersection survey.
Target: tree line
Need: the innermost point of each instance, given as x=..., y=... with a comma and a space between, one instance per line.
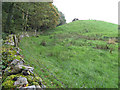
x=29, y=16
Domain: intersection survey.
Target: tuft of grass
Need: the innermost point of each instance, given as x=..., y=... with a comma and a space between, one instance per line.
x=112, y=41
x=76, y=53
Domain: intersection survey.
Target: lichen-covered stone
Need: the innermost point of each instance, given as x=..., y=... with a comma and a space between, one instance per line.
x=33, y=87
x=30, y=79
x=16, y=62
x=38, y=86
x=26, y=72
x=8, y=84
x=10, y=40
x=21, y=81
x=17, y=69
x=43, y=86
x=35, y=83
x=38, y=79
x=16, y=74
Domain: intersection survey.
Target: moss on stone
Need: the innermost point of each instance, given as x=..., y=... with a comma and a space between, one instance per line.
x=38, y=79
x=23, y=67
x=10, y=53
x=8, y=84
x=35, y=83
x=30, y=79
x=10, y=77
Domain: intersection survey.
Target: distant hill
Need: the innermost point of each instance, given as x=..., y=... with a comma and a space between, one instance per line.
x=81, y=54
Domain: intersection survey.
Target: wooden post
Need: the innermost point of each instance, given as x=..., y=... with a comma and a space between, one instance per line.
x=15, y=40
x=26, y=21
x=35, y=33
x=23, y=22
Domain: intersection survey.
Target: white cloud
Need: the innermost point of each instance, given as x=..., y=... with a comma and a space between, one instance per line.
x=106, y=10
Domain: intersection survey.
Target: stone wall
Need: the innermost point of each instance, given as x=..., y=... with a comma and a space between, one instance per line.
x=15, y=73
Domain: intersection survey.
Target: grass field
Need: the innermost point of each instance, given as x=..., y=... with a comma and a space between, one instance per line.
x=77, y=53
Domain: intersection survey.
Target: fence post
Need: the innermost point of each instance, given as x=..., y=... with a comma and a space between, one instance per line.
x=35, y=33
x=15, y=40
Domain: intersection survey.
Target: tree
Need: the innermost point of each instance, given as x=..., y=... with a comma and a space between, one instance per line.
x=25, y=16
x=8, y=17
x=62, y=19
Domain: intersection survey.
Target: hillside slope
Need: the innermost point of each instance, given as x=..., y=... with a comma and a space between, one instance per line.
x=80, y=54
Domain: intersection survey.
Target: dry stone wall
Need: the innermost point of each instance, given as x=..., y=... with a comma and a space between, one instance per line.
x=16, y=74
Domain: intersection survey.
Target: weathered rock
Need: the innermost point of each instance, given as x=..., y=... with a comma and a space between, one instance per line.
x=22, y=67
x=26, y=34
x=21, y=62
x=7, y=70
x=38, y=86
x=43, y=86
x=17, y=69
x=10, y=40
x=15, y=73
x=26, y=72
x=10, y=43
x=18, y=50
x=21, y=36
x=16, y=62
x=15, y=78
x=28, y=88
x=21, y=81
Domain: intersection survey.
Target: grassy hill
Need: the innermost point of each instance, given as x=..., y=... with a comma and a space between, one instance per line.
x=79, y=54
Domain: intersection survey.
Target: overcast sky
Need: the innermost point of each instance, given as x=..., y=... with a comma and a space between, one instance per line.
x=105, y=10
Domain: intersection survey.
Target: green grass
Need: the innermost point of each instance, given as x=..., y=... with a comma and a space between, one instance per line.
x=76, y=54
